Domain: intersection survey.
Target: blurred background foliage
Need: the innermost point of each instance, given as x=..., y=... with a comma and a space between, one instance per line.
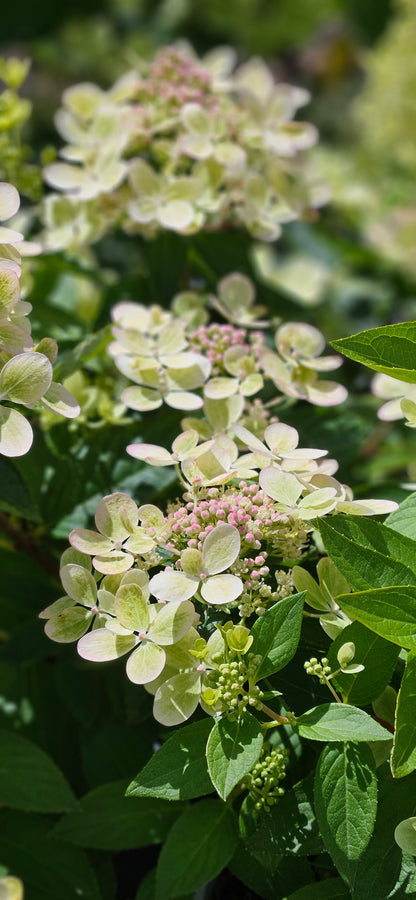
x=352, y=267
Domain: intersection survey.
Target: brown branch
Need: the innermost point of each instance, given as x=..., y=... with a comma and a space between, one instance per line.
x=24, y=542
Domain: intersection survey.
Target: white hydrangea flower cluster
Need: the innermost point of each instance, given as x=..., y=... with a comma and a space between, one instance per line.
x=26, y=373
x=181, y=144
x=216, y=366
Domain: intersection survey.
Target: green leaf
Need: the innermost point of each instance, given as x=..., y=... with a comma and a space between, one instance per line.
x=276, y=634
x=50, y=869
x=29, y=779
x=106, y=820
x=178, y=771
x=346, y=802
x=403, y=519
x=92, y=346
x=233, y=748
x=290, y=828
x=378, y=869
x=16, y=496
x=389, y=611
x=378, y=656
x=270, y=885
x=329, y=889
x=403, y=760
x=199, y=845
x=340, y=722
x=390, y=349
x=368, y=554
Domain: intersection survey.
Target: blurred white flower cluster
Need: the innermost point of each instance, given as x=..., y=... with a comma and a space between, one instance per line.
x=181, y=144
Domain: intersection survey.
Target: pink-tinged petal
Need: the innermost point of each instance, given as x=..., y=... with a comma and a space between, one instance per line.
x=171, y=586
x=172, y=623
x=220, y=548
x=151, y=453
x=116, y=516
x=326, y=393
x=102, y=646
x=90, y=542
x=60, y=402
x=145, y=663
x=219, y=590
x=114, y=563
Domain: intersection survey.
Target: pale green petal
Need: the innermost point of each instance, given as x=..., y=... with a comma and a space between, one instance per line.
x=16, y=434
x=183, y=400
x=221, y=589
x=9, y=291
x=171, y=586
x=280, y=486
x=219, y=388
x=192, y=562
x=176, y=215
x=197, y=147
x=141, y=398
x=102, y=646
x=172, y=623
x=106, y=600
x=9, y=201
x=281, y=438
x=56, y=608
x=25, y=377
x=185, y=442
x=90, y=542
x=71, y=555
x=223, y=413
x=116, y=516
x=131, y=608
x=220, y=549
x=236, y=292
x=69, y=626
x=231, y=156
x=139, y=542
x=177, y=699
x=196, y=119
x=79, y=584
x=300, y=337
x=145, y=663
x=326, y=393
x=59, y=401
x=64, y=176
x=136, y=576
x=251, y=384
x=330, y=578
x=144, y=179
x=151, y=516
x=114, y=563
x=367, y=507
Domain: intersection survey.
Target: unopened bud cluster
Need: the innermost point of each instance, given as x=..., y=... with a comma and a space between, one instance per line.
x=263, y=781
x=228, y=687
x=321, y=669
